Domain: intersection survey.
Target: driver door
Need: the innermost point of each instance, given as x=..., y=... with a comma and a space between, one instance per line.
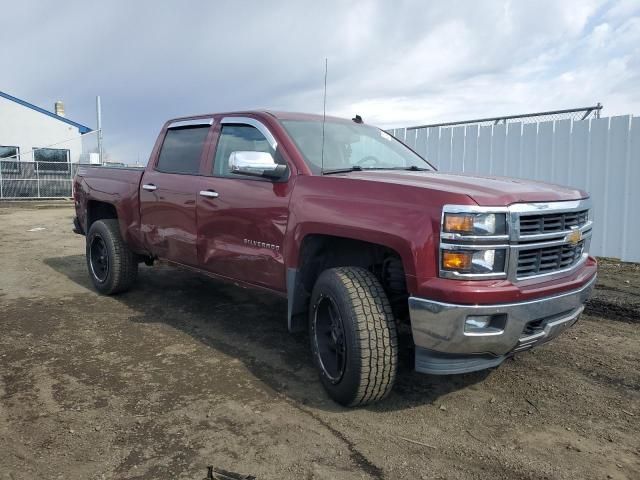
x=242, y=220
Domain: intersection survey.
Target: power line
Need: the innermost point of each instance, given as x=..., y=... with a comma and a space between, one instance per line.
x=50, y=145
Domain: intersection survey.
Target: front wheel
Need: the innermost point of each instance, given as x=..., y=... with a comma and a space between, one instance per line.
x=353, y=336
x=113, y=268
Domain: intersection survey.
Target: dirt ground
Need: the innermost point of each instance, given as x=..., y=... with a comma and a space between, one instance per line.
x=183, y=372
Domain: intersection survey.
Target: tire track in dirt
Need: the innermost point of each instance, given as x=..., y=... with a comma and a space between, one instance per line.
x=356, y=455
x=612, y=311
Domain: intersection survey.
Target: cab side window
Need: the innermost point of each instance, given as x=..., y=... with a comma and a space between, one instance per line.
x=238, y=138
x=181, y=150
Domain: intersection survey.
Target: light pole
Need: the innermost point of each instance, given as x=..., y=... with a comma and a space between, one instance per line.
x=99, y=115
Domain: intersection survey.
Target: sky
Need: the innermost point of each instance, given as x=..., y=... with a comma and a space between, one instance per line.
x=396, y=63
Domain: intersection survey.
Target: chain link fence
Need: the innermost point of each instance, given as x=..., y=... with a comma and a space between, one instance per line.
x=45, y=171
x=19, y=180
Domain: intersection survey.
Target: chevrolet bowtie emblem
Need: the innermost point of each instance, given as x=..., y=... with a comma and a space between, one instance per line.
x=574, y=237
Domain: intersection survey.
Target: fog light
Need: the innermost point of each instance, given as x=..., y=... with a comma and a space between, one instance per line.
x=485, y=324
x=477, y=322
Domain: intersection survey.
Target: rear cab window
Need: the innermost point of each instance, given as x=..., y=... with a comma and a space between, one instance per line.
x=182, y=150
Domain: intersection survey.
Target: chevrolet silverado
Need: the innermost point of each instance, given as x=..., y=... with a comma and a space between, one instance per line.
x=368, y=243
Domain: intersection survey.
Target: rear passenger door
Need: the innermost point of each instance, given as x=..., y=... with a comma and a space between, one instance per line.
x=169, y=189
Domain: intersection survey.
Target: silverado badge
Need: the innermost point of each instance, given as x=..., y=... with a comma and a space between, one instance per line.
x=574, y=237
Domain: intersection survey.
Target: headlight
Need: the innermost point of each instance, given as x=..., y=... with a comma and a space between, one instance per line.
x=474, y=242
x=475, y=223
x=473, y=261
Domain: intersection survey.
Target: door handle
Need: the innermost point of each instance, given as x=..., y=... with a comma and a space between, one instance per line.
x=209, y=193
x=149, y=187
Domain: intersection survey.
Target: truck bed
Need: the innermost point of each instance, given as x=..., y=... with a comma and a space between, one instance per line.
x=117, y=186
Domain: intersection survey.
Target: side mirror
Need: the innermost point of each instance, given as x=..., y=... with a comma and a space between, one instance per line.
x=256, y=164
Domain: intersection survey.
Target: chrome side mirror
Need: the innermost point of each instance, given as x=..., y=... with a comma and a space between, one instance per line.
x=255, y=164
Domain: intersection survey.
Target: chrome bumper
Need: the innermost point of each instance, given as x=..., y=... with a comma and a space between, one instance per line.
x=443, y=346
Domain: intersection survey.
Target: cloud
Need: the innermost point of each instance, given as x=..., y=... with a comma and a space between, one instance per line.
x=396, y=63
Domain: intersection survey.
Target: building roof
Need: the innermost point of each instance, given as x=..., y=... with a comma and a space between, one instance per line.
x=80, y=127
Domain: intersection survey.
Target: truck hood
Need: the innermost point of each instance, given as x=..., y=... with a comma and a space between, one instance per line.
x=485, y=191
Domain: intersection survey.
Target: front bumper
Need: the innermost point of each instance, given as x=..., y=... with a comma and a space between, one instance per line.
x=443, y=346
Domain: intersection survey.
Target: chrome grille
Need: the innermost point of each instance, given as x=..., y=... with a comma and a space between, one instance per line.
x=538, y=261
x=552, y=222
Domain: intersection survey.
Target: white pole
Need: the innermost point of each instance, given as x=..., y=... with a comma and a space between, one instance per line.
x=37, y=178
x=99, y=114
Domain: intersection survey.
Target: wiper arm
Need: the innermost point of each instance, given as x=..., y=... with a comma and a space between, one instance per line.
x=355, y=168
x=415, y=168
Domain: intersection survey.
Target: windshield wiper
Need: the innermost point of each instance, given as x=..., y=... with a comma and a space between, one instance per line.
x=358, y=168
x=355, y=168
x=413, y=168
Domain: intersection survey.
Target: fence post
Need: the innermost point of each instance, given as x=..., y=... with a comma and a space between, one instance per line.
x=37, y=178
x=1, y=193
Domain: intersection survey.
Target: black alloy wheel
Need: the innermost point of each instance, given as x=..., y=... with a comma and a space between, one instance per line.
x=112, y=266
x=330, y=339
x=99, y=259
x=352, y=331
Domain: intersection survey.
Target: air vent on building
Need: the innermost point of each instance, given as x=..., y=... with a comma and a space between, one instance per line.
x=59, y=108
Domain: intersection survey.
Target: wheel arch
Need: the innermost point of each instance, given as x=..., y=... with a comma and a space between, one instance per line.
x=98, y=209
x=319, y=251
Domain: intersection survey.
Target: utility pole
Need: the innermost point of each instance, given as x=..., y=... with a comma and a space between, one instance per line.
x=99, y=114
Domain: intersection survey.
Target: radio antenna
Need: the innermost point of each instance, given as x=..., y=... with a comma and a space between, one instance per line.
x=324, y=114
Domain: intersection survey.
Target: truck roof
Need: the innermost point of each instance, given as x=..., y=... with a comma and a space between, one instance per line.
x=280, y=115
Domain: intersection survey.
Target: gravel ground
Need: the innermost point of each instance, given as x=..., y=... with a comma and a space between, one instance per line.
x=183, y=372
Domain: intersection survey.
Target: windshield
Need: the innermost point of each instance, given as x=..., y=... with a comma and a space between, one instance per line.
x=350, y=146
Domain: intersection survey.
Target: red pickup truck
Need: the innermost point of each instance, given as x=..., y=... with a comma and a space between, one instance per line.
x=368, y=243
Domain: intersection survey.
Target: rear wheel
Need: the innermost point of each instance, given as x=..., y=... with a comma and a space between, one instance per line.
x=353, y=336
x=113, y=268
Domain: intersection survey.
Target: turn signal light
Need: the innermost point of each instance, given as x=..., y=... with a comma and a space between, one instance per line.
x=456, y=260
x=458, y=223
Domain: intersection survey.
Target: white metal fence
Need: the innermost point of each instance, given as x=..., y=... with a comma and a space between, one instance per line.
x=601, y=156
x=20, y=179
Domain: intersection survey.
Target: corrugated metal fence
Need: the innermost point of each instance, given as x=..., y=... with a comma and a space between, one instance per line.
x=601, y=156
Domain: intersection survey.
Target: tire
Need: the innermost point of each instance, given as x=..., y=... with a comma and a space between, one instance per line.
x=366, y=361
x=113, y=268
